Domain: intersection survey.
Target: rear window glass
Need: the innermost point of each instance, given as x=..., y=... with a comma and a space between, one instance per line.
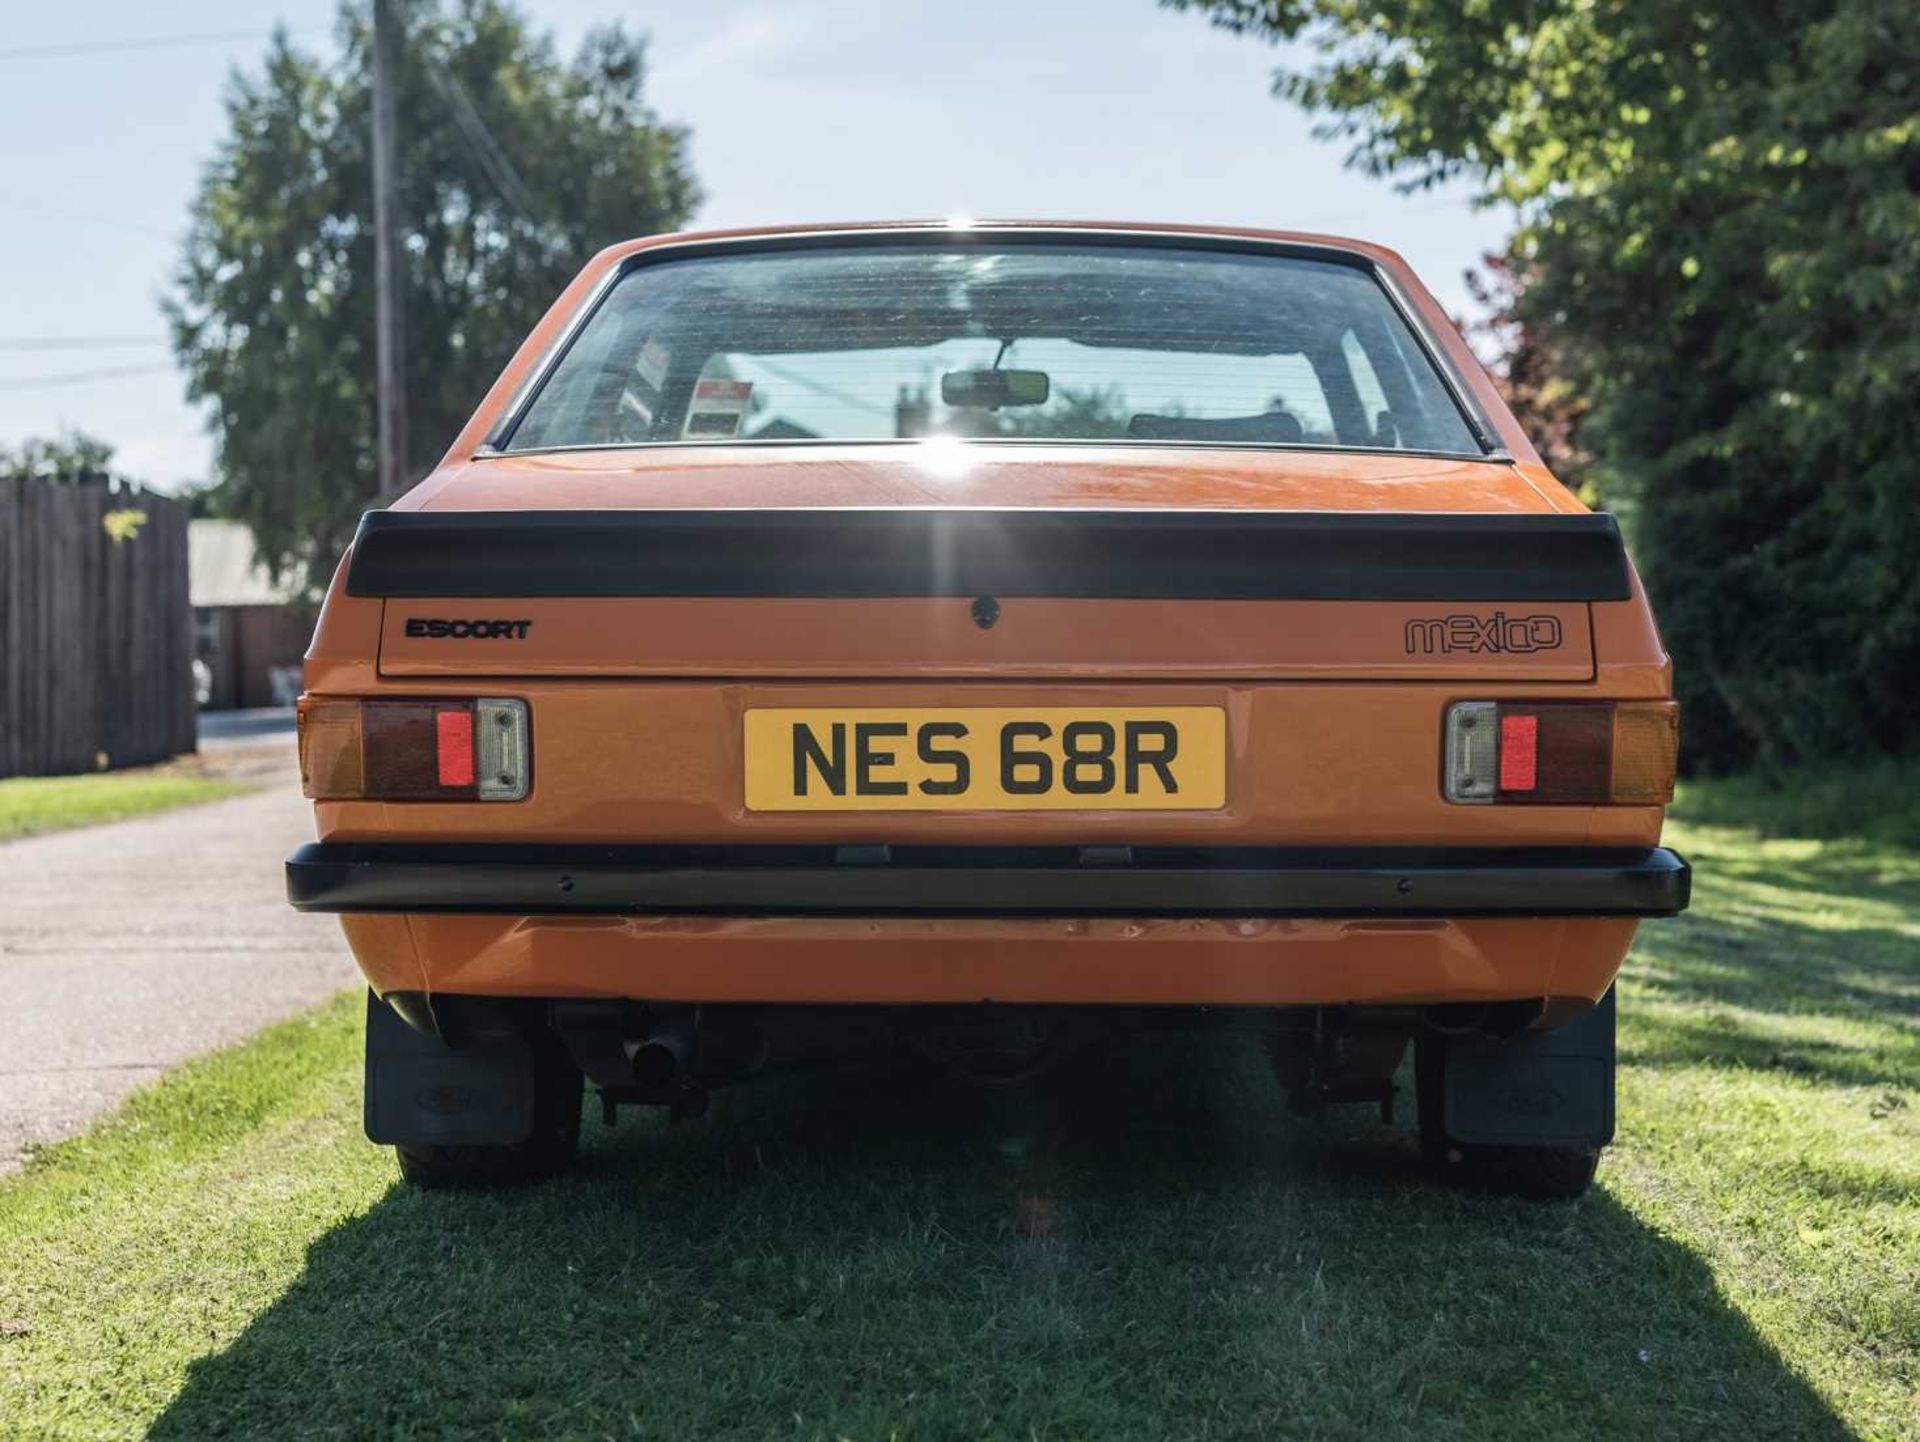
x=1010, y=342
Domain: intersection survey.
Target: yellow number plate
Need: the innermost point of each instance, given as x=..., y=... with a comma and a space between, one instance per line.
x=979, y=758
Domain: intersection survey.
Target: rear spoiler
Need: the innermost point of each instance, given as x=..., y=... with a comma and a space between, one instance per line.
x=1144, y=554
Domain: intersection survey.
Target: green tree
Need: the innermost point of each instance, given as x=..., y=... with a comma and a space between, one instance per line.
x=1074, y=414
x=1720, y=208
x=515, y=167
x=1528, y=368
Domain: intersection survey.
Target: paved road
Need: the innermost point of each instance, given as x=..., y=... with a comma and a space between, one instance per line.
x=127, y=948
x=245, y=728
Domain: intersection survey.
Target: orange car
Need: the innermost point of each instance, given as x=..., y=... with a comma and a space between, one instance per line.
x=974, y=639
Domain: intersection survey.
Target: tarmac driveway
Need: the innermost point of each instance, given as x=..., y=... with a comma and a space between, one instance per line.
x=127, y=948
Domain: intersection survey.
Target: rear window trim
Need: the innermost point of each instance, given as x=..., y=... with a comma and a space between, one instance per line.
x=500, y=438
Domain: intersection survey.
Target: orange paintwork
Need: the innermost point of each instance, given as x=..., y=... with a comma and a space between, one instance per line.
x=1333, y=730
x=936, y=637
x=1221, y=963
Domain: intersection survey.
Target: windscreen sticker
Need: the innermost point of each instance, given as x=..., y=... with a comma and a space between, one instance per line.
x=718, y=410
x=651, y=364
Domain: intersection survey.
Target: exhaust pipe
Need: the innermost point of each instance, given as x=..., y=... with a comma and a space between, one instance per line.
x=661, y=1060
x=656, y=1070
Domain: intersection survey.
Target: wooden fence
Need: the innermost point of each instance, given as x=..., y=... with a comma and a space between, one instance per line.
x=96, y=634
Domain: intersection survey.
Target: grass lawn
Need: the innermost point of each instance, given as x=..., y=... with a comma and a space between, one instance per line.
x=1142, y=1246
x=32, y=804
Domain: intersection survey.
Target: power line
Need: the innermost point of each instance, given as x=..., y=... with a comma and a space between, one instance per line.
x=40, y=208
x=74, y=378
x=150, y=42
x=86, y=342
x=793, y=377
x=485, y=150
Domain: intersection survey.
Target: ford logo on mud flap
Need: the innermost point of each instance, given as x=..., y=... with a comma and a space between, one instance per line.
x=452, y=1100
x=1535, y=1101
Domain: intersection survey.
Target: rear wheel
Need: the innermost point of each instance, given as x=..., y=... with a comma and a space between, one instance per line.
x=1538, y=1173
x=549, y=1150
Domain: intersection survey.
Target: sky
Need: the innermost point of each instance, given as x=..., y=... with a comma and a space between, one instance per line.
x=799, y=110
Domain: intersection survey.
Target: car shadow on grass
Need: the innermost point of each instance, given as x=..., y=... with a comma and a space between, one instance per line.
x=1755, y=987
x=1140, y=1244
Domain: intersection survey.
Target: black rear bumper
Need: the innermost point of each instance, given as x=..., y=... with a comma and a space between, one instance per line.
x=980, y=881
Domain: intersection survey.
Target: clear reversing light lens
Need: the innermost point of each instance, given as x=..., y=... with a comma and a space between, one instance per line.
x=1562, y=753
x=1473, y=751
x=500, y=737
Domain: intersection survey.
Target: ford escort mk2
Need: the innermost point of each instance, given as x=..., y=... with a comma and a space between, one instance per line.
x=982, y=641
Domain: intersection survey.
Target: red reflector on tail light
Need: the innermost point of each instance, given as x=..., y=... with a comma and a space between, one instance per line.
x=453, y=744
x=1519, y=752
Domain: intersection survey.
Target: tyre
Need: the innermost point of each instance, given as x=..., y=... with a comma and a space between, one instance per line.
x=558, y=1091
x=1536, y=1173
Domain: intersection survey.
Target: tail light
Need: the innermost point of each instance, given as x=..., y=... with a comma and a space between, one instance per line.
x=1562, y=753
x=457, y=750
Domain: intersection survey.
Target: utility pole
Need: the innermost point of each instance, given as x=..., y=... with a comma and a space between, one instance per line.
x=389, y=22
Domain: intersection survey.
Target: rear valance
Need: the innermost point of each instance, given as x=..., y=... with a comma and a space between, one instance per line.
x=1145, y=554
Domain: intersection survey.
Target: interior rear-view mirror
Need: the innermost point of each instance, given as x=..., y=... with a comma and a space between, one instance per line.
x=989, y=390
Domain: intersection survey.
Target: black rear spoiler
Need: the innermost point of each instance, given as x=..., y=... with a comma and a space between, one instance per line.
x=1147, y=554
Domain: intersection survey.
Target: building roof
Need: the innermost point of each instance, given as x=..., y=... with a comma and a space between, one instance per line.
x=223, y=569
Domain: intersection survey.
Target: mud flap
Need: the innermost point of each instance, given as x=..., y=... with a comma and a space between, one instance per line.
x=1539, y=1089
x=422, y=1092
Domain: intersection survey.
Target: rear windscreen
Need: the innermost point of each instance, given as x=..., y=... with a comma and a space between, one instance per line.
x=1015, y=341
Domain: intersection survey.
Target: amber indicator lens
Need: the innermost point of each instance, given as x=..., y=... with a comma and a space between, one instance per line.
x=461, y=750
x=329, y=749
x=1646, y=752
